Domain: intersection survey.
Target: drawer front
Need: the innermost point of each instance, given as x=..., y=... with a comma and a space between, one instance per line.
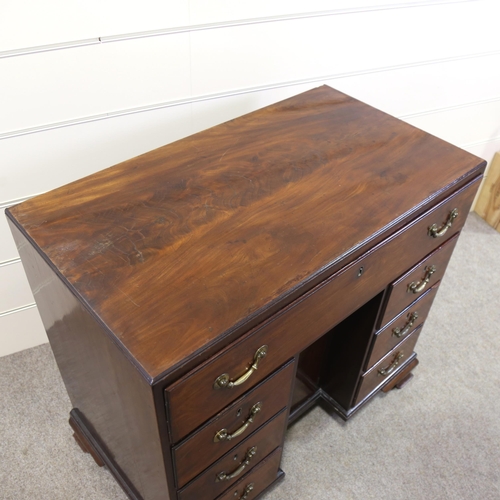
x=399, y=328
x=388, y=366
x=241, y=459
x=193, y=399
x=417, y=280
x=208, y=444
x=256, y=481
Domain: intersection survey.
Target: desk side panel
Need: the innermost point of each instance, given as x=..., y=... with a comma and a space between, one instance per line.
x=115, y=400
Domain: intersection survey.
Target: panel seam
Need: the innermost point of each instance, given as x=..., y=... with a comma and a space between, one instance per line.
x=218, y=25
x=241, y=91
x=17, y=310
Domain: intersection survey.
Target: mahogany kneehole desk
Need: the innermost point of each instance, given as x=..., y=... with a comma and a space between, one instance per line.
x=200, y=297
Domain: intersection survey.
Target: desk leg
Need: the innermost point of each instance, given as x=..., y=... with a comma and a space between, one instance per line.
x=89, y=444
x=402, y=379
x=83, y=442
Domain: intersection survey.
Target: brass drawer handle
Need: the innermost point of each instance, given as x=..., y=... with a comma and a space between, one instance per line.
x=246, y=492
x=399, y=332
x=224, y=476
x=418, y=286
x=437, y=232
x=223, y=434
x=224, y=382
x=387, y=371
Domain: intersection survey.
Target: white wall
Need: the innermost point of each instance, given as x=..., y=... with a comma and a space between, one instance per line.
x=85, y=85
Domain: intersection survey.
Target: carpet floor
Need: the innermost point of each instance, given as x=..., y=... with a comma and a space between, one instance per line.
x=438, y=438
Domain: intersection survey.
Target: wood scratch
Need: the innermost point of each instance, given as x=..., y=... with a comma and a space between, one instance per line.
x=128, y=297
x=243, y=177
x=113, y=285
x=95, y=268
x=224, y=154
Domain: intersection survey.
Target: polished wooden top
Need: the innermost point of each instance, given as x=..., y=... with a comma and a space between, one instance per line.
x=173, y=249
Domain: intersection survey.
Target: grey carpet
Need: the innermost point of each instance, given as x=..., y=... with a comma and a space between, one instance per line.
x=438, y=438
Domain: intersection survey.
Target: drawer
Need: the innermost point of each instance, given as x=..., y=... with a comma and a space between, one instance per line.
x=417, y=280
x=205, y=446
x=195, y=398
x=256, y=481
x=388, y=366
x=239, y=460
x=399, y=328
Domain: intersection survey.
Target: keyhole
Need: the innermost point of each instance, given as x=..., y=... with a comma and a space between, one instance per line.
x=238, y=413
x=361, y=271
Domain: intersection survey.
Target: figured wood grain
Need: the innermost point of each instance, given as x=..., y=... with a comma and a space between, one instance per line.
x=105, y=388
x=174, y=249
x=192, y=399
x=488, y=202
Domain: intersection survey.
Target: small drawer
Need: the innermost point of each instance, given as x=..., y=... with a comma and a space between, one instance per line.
x=197, y=397
x=240, y=419
x=388, y=366
x=417, y=280
x=244, y=457
x=256, y=481
x=402, y=325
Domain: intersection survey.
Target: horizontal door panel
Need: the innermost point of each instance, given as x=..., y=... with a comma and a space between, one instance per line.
x=257, y=54
x=36, y=163
x=224, y=11
x=15, y=291
x=8, y=249
x=432, y=86
x=21, y=330
x=462, y=125
x=486, y=150
x=82, y=20
x=92, y=80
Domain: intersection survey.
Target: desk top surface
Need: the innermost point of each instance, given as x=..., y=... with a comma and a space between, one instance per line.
x=173, y=249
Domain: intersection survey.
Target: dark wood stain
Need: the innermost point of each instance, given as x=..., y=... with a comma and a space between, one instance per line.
x=172, y=249
x=385, y=340
x=301, y=323
x=261, y=477
x=104, y=387
x=399, y=297
x=199, y=450
x=372, y=378
x=266, y=440
x=298, y=226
